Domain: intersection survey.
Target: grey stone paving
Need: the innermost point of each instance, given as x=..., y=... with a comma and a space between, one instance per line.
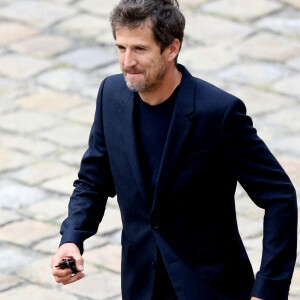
x=52, y=60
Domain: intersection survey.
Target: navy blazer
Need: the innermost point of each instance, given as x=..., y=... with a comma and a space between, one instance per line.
x=211, y=145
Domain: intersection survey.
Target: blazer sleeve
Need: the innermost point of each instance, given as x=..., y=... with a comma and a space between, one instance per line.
x=269, y=187
x=92, y=188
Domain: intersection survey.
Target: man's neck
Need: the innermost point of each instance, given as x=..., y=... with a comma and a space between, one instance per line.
x=169, y=83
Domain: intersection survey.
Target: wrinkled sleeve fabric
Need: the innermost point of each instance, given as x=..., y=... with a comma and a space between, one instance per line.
x=92, y=188
x=267, y=184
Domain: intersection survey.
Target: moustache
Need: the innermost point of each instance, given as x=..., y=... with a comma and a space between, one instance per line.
x=132, y=70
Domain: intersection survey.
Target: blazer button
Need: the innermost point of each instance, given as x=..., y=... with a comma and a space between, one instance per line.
x=153, y=264
x=155, y=225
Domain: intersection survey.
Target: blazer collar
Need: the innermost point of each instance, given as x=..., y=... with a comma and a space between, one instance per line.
x=185, y=99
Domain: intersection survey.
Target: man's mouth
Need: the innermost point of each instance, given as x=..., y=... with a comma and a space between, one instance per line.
x=133, y=74
x=132, y=71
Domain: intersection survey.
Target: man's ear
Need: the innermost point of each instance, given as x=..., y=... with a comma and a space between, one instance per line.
x=173, y=50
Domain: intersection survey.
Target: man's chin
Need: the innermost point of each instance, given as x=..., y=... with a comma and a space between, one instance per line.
x=135, y=86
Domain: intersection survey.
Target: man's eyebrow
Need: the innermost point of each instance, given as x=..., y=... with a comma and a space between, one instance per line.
x=134, y=46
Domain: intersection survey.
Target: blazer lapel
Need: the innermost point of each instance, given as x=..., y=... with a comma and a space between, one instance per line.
x=178, y=131
x=127, y=126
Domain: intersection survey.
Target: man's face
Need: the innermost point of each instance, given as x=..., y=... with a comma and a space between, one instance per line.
x=140, y=57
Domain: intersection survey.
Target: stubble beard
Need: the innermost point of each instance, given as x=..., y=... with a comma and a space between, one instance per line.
x=151, y=82
x=136, y=86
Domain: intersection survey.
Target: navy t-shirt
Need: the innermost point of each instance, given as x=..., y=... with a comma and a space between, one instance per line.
x=152, y=124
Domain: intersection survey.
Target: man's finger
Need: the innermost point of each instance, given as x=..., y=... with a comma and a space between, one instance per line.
x=61, y=272
x=74, y=278
x=60, y=279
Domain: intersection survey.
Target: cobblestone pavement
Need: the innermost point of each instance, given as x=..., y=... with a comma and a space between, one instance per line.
x=53, y=56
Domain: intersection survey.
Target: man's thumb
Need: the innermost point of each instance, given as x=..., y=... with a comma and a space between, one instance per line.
x=79, y=263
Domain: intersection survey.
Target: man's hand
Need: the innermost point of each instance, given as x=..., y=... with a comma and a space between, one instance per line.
x=64, y=276
x=254, y=298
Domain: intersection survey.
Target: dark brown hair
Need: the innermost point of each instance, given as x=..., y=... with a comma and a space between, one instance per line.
x=167, y=20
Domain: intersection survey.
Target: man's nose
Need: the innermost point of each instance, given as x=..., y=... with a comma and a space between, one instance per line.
x=129, y=60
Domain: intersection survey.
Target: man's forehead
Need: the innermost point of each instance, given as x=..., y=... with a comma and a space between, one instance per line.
x=147, y=23
x=142, y=32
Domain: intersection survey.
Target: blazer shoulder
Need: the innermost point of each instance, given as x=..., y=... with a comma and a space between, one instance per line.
x=213, y=92
x=112, y=87
x=210, y=97
x=114, y=82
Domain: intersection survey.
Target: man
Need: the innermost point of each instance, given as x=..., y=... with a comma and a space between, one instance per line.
x=172, y=147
